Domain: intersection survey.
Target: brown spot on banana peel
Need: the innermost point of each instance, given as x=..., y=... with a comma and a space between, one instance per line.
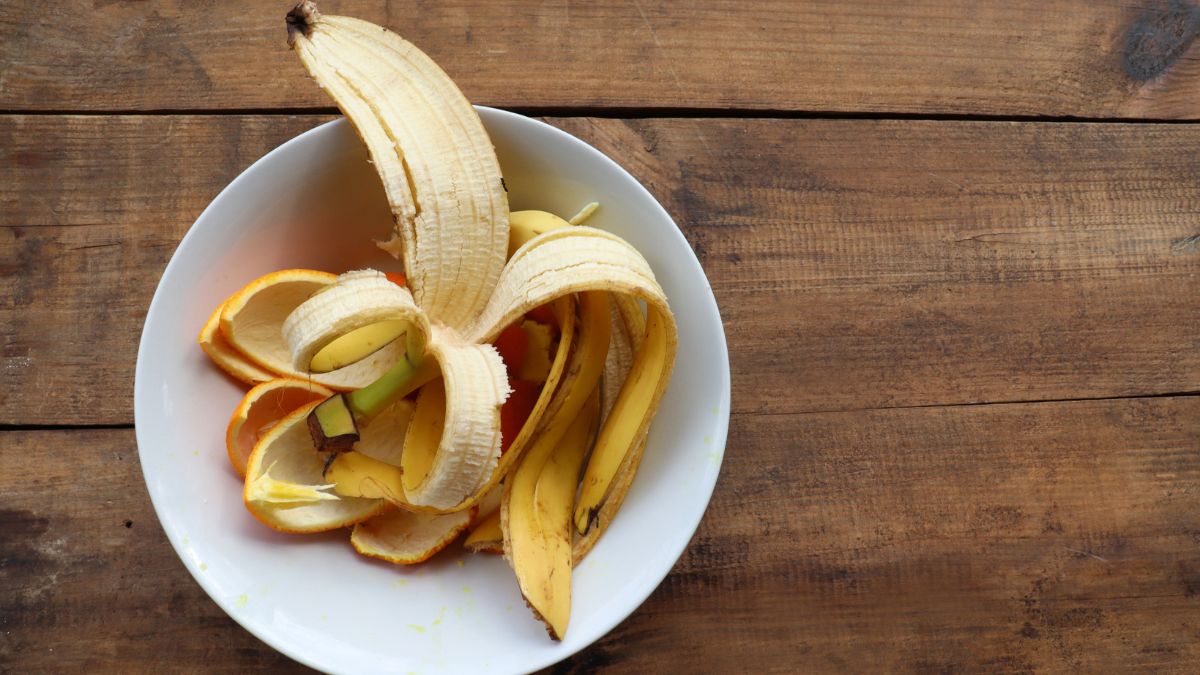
x=593, y=516
x=300, y=20
x=606, y=511
x=328, y=459
x=545, y=624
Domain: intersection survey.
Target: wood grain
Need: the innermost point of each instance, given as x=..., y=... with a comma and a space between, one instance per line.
x=88, y=580
x=996, y=538
x=1029, y=57
x=1052, y=537
x=858, y=264
x=92, y=209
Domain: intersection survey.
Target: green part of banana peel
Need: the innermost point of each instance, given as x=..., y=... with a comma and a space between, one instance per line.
x=331, y=425
x=399, y=381
x=334, y=424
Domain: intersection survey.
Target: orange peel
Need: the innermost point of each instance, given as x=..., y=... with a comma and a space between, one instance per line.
x=408, y=537
x=262, y=407
x=252, y=323
x=226, y=356
x=285, y=457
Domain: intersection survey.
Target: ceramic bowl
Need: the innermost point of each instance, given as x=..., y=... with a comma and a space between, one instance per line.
x=315, y=202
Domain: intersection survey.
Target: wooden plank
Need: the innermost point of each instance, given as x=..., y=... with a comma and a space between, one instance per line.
x=1012, y=538
x=858, y=264
x=1027, y=57
x=1044, y=537
x=80, y=545
x=91, y=209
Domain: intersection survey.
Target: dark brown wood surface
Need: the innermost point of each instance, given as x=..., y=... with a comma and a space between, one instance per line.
x=965, y=352
x=1003, y=538
x=876, y=264
x=1084, y=58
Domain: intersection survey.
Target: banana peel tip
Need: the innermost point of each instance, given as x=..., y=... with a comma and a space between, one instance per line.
x=300, y=20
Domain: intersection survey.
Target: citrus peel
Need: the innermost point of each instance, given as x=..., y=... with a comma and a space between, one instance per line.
x=408, y=537
x=252, y=320
x=225, y=355
x=286, y=451
x=262, y=407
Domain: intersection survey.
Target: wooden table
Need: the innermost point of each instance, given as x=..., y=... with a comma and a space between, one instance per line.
x=956, y=245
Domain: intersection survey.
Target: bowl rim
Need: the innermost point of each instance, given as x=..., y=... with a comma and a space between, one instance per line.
x=638, y=595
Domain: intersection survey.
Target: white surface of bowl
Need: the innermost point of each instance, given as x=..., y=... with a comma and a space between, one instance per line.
x=315, y=202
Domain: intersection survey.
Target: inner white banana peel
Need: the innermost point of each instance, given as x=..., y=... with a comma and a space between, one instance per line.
x=357, y=300
x=437, y=163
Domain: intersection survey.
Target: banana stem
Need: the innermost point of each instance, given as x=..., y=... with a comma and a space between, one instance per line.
x=399, y=381
x=334, y=423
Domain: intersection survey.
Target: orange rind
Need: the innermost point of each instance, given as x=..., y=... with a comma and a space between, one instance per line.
x=261, y=408
x=408, y=537
x=226, y=356
x=252, y=322
x=284, y=464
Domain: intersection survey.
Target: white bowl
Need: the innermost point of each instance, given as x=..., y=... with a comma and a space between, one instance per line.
x=316, y=202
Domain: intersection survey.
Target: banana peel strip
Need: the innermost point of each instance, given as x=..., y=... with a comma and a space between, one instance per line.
x=628, y=327
x=438, y=166
x=535, y=516
x=539, y=496
x=468, y=451
x=561, y=262
x=355, y=300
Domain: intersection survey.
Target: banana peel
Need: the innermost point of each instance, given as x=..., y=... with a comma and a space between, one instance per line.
x=473, y=270
x=628, y=421
x=441, y=178
x=536, y=520
x=537, y=536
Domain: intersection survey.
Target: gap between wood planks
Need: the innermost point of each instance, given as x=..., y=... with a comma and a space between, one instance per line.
x=747, y=413
x=639, y=113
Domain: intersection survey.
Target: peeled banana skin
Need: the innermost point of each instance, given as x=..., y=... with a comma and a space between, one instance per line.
x=472, y=273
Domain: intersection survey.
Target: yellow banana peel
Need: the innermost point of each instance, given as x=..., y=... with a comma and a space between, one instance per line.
x=473, y=269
